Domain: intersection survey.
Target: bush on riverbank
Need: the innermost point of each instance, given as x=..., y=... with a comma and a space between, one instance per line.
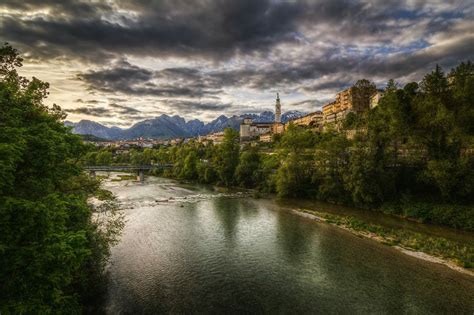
x=455, y=215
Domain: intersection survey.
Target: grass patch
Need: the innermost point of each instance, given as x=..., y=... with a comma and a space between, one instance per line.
x=460, y=253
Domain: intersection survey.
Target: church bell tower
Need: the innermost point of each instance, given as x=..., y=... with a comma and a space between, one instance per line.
x=278, y=110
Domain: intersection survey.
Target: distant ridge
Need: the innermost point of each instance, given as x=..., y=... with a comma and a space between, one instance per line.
x=166, y=127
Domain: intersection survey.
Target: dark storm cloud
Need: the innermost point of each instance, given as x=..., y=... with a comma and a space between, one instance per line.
x=191, y=82
x=212, y=28
x=207, y=28
x=126, y=110
x=122, y=73
x=220, y=29
x=447, y=55
x=113, y=110
x=327, y=72
x=91, y=111
x=125, y=78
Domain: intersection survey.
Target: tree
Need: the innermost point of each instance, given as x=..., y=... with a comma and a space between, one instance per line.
x=206, y=173
x=366, y=177
x=227, y=157
x=90, y=158
x=436, y=85
x=363, y=90
x=163, y=156
x=293, y=177
x=269, y=163
x=248, y=172
x=331, y=160
x=189, y=170
x=350, y=121
x=296, y=139
x=52, y=252
x=461, y=83
x=104, y=158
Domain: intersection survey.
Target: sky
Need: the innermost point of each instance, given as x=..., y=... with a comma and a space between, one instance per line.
x=122, y=61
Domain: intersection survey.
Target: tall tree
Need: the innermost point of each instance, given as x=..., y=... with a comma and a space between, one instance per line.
x=189, y=170
x=227, y=157
x=248, y=172
x=363, y=90
x=331, y=160
x=294, y=177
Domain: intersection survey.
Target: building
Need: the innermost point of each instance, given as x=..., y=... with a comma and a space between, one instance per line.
x=267, y=137
x=347, y=101
x=329, y=115
x=278, y=128
x=278, y=110
x=250, y=130
x=313, y=120
x=216, y=137
x=176, y=141
x=375, y=98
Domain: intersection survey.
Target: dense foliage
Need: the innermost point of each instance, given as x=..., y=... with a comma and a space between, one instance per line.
x=412, y=155
x=53, y=249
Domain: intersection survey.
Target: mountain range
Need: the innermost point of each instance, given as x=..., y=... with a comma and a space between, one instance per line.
x=166, y=127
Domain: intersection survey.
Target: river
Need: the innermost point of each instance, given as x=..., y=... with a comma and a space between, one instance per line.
x=191, y=249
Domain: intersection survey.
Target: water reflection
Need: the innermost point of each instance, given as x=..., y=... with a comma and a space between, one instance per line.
x=293, y=236
x=227, y=212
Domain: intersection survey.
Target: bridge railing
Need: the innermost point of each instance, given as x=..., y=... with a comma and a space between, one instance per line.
x=126, y=167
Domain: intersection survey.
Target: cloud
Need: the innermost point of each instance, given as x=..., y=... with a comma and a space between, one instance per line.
x=91, y=111
x=112, y=110
x=80, y=100
x=212, y=29
x=310, y=75
x=125, y=110
x=308, y=103
x=128, y=79
x=203, y=57
x=186, y=107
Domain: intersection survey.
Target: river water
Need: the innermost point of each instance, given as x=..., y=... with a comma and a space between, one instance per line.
x=190, y=249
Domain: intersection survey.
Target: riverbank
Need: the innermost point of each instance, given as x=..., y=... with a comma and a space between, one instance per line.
x=457, y=256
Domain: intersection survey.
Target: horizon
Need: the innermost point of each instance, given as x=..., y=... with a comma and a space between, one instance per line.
x=121, y=62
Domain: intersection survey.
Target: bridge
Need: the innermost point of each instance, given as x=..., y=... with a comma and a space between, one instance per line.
x=140, y=169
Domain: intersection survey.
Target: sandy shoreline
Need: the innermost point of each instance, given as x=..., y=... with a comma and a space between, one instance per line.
x=379, y=239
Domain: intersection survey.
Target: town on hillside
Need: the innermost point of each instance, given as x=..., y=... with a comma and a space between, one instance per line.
x=350, y=100
x=347, y=101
